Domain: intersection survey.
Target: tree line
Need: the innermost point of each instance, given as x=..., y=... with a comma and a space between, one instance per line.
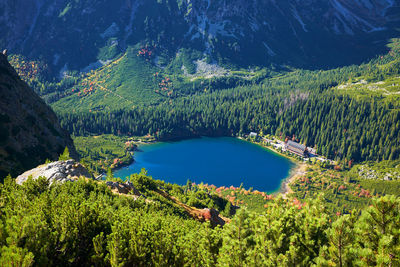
x=339, y=126
x=301, y=104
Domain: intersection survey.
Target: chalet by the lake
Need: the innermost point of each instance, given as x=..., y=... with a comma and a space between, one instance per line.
x=253, y=135
x=296, y=148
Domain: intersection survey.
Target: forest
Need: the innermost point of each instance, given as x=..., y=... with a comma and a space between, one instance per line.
x=122, y=74
x=98, y=153
x=84, y=224
x=342, y=124
x=339, y=126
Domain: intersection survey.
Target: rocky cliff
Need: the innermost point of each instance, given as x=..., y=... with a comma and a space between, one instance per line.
x=29, y=129
x=59, y=171
x=76, y=34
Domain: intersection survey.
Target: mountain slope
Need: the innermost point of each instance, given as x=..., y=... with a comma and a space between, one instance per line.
x=29, y=130
x=125, y=83
x=80, y=35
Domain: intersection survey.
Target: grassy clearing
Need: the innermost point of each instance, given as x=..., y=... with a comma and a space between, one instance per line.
x=99, y=153
x=388, y=88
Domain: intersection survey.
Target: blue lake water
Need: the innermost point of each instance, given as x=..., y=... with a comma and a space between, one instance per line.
x=220, y=161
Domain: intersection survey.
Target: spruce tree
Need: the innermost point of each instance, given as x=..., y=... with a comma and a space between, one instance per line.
x=65, y=154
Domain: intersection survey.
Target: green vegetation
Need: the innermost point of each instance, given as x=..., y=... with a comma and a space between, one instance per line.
x=345, y=215
x=142, y=182
x=336, y=215
x=251, y=200
x=128, y=80
x=339, y=127
x=110, y=51
x=98, y=153
x=37, y=75
x=200, y=196
x=303, y=105
x=185, y=60
x=83, y=223
x=31, y=71
x=65, y=155
x=349, y=114
x=134, y=80
x=383, y=170
x=65, y=11
x=387, y=88
x=343, y=189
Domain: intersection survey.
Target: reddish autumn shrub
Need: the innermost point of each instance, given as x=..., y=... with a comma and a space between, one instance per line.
x=206, y=213
x=342, y=187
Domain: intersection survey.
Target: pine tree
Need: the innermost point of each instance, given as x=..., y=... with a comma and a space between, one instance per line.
x=16, y=256
x=339, y=251
x=237, y=241
x=378, y=234
x=65, y=154
x=110, y=174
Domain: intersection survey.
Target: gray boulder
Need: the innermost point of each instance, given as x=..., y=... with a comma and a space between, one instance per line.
x=59, y=171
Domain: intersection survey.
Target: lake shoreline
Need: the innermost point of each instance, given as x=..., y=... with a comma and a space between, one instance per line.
x=295, y=172
x=271, y=170
x=283, y=189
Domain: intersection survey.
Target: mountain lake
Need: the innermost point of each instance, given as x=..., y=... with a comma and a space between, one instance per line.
x=222, y=161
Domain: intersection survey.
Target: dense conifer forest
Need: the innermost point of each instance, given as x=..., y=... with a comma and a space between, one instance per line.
x=85, y=224
x=339, y=126
x=351, y=124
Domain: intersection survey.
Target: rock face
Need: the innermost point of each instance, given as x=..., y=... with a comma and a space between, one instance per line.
x=59, y=171
x=69, y=34
x=29, y=129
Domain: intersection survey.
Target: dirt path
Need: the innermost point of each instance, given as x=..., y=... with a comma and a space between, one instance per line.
x=296, y=173
x=112, y=92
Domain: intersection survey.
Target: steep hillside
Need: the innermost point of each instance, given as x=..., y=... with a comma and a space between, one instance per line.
x=135, y=80
x=84, y=223
x=81, y=35
x=320, y=108
x=29, y=130
x=125, y=83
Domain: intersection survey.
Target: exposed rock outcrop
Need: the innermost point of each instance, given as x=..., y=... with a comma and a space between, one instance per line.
x=303, y=31
x=29, y=129
x=59, y=171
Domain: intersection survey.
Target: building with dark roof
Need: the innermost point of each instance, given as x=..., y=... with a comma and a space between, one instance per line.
x=296, y=148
